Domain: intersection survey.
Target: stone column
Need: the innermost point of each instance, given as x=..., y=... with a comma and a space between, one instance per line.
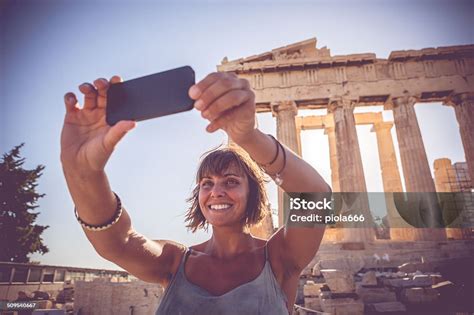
x=285, y=113
x=298, y=139
x=330, y=132
x=464, y=108
x=416, y=169
x=388, y=160
x=415, y=165
x=351, y=173
x=332, y=234
x=399, y=229
x=446, y=181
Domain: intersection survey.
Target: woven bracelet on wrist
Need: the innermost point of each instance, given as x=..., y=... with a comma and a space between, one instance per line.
x=278, y=179
x=276, y=154
x=105, y=226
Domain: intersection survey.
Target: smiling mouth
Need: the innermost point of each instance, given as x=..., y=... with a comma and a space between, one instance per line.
x=220, y=207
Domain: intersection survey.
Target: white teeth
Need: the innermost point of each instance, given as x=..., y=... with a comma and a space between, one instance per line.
x=220, y=207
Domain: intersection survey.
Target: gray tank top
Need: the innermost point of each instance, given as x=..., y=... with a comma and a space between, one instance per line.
x=261, y=296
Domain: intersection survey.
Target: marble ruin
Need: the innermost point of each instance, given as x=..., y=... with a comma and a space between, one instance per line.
x=301, y=76
x=354, y=272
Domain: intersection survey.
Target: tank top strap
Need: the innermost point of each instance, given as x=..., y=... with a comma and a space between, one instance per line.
x=183, y=258
x=266, y=251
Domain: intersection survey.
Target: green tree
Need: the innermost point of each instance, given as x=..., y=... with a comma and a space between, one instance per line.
x=19, y=236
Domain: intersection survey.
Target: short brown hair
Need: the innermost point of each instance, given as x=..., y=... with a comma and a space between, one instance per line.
x=217, y=161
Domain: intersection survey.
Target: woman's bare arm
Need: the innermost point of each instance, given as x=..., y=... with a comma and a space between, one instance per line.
x=296, y=245
x=87, y=143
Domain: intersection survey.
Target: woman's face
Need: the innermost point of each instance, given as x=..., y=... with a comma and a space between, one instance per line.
x=223, y=197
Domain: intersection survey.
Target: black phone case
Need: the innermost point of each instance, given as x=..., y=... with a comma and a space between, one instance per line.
x=150, y=96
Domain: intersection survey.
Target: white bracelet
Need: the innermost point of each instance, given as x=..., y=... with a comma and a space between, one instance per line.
x=107, y=225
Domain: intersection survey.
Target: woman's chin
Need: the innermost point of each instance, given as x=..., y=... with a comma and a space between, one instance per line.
x=223, y=222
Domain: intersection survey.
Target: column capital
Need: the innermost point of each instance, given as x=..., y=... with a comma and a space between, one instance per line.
x=283, y=106
x=382, y=125
x=401, y=101
x=341, y=102
x=459, y=99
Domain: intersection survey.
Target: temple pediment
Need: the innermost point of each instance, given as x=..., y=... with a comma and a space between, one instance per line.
x=296, y=54
x=299, y=50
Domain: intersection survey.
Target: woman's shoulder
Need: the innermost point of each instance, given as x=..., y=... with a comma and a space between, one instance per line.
x=174, y=252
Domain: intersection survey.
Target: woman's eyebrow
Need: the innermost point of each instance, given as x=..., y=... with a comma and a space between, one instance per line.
x=232, y=174
x=225, y=175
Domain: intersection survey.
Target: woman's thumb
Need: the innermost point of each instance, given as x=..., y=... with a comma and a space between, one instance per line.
x=116, y=133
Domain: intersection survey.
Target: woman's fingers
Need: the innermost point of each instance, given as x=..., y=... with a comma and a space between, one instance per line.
x=116, y=133
x=213, y=87
x=227, y=101
x=196, y=90
x=102, y=86
x=70, y=101
x=217, y=89
x=90, y=95
x=115, y=79
x=94, y=95
x=221, y=120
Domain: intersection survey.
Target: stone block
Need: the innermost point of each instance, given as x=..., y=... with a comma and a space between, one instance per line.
x=101, y=297
x=316, y=271
x=435, y=279
x=352, y=264
x=43, y=304
x=375, y=295
x=399, y=283
x=311, y=288
x=325, y=295
x=422, y=281
x=417, y=281
x=417, y=266
x=313, y=303
x=339, y=281
x=353, y=246
x=369, y=278
x=442, y=285
x=388, y=307
x=306, y=272
x=419, y=295
x=346, y=306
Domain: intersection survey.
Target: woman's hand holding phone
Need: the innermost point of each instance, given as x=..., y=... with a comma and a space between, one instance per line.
x=228, y=103
x=87, y=141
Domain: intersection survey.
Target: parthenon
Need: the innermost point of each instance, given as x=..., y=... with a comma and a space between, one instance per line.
x=301, y=76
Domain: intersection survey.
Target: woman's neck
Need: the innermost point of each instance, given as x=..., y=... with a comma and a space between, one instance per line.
x=227, y=242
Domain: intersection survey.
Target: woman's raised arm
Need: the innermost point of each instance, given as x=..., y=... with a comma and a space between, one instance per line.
x=87, y=143
x=229, y=104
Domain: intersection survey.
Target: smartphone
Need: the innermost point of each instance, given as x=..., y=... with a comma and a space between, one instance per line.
x=151, y=96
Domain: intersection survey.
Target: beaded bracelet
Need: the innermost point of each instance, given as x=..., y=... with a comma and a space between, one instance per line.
x=107, y=225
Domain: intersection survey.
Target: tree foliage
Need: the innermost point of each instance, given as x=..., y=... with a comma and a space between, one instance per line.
x=19, y=236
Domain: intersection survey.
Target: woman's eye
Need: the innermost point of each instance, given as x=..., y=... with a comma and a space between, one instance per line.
x=232, y=182
x=206, y=184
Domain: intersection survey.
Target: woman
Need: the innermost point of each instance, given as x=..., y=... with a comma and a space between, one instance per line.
x=231, y=273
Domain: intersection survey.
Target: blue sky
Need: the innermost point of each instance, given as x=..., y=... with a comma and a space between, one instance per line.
x=50, y=47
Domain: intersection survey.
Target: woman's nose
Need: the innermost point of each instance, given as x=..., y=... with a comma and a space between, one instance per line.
x=217, y=191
